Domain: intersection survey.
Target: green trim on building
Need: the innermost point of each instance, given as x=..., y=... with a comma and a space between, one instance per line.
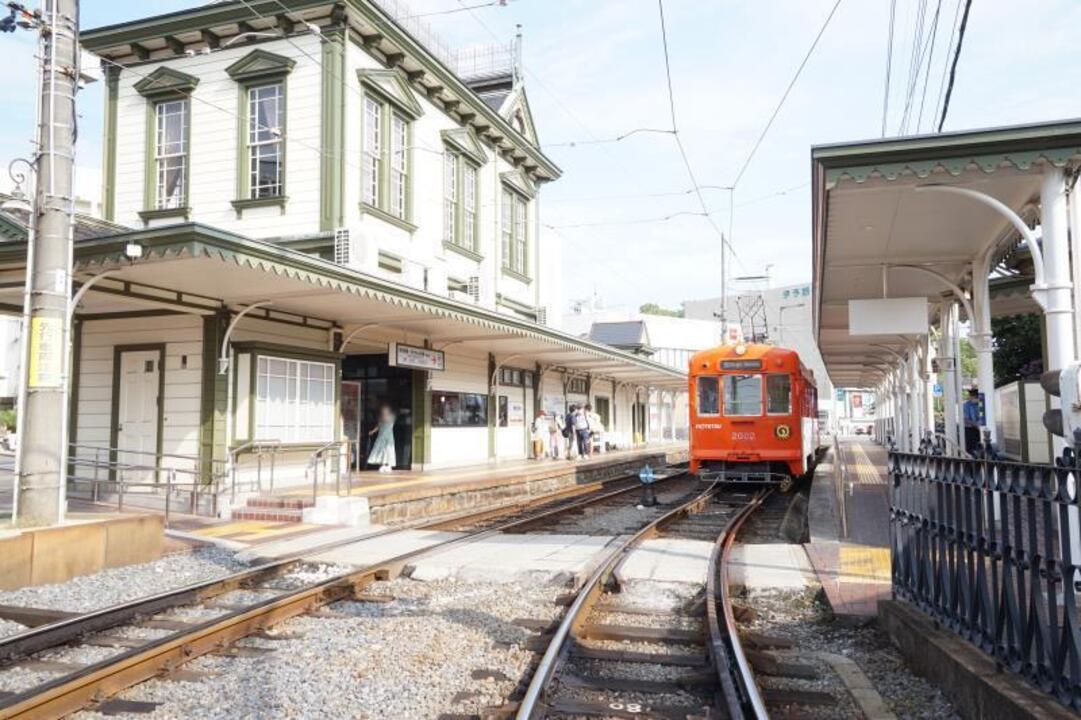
x=455, y=247
x=184, y=213
x=243, y=204
x=166, y=83
x=390, y=87
x=108, y=147
x=422, y=419
x=260, y=66
x=212, y=398
x=332, y=133
x=366, y=209
x=206, y=17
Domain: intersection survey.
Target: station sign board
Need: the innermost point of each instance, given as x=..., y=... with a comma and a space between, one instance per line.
x=418, y=358
x=888, y=316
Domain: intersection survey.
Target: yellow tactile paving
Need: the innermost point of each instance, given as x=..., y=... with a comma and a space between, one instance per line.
x=246, y=526
x=864, y=564
x=865, y=471
x=286, y=529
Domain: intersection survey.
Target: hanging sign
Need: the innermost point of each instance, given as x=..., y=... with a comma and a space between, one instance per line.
x=418, y=358
x=515, y=413
x=46, y=352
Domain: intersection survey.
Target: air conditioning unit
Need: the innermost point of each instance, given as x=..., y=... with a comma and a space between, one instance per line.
x=542, y=315
x=473, y=288
x=343, y=247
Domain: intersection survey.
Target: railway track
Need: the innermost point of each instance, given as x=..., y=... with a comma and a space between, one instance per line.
x=201, y=618
x=610, y=658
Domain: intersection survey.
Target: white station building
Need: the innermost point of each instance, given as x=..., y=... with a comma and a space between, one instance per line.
x=325, y=216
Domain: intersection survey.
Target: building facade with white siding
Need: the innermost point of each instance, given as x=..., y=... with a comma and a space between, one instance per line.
x=325, y=218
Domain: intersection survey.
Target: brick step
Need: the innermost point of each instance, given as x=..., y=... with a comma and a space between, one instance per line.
x=269, y=514
x=270, y=501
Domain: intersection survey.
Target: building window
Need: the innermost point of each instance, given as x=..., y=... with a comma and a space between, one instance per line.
x=454, y=409
x=459, y=201
x=504, y=413
x=171, y=153
x=513, y=228
x=294, y=400
x=577, y=386
x=385, y=160
x=266, y=147
x=513, y=377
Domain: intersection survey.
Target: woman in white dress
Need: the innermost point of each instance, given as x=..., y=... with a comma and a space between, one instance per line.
x=382, y=453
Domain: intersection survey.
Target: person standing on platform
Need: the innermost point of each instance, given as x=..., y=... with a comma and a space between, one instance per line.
x=972, y=421
x=569, y=433
x=539, y=434
x=596, y=430
x=555, y=435
x=382, y=453
x=581, y=429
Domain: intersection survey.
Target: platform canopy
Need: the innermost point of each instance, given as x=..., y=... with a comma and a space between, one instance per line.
x=875, y=220
x=198, y=269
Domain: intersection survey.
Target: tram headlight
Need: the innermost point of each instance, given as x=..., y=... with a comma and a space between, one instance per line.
x=782, y=431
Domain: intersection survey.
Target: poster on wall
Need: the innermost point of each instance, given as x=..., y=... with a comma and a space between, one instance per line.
x=418, y=358
x=553, y=404
x=516, y=413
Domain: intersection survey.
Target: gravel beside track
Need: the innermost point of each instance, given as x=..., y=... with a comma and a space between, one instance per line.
x=122, y=584
x=800, y=617
x=622, y=515
x=414, y=657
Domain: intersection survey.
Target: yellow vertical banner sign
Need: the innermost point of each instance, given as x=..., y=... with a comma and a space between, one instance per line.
x=46, y=338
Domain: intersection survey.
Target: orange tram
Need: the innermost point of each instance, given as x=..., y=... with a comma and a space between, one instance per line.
x=753, y=415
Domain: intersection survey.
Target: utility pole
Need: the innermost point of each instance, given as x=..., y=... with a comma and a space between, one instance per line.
x=42, y=394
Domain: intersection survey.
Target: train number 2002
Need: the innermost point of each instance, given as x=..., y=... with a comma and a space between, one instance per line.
x=744, y=435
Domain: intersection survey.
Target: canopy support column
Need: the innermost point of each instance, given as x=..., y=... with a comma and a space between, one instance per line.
x=950, y=367
x=1058, y=312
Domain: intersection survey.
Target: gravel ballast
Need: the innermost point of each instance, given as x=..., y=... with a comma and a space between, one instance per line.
x=121, y=584
x=413, y=657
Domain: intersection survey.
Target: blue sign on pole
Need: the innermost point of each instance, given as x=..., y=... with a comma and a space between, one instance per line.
x=937, y=390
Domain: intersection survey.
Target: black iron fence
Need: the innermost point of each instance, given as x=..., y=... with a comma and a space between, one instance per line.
x=988, y=549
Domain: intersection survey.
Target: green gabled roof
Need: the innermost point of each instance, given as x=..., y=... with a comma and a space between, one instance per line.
x=393, y=88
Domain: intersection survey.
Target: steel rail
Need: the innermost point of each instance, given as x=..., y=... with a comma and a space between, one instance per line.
x=60, y=632
x=741, y=694
x=69, y=693
x=531, y=707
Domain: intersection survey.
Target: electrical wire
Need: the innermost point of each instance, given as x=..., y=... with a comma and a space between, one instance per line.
x=930, y=61
x=791, y=84
x=953, y=67
x=889, y=67
x=602, y=141
x=946, y=65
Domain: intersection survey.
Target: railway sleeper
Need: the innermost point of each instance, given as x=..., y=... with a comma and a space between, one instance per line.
x=634, y=656
x=619, y=709
x=694, y=683
x=634, y=633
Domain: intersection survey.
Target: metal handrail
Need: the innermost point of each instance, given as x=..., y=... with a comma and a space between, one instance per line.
x=115, y=479
x=260, y=448
x=317, y=459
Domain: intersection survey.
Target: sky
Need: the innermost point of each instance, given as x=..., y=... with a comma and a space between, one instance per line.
x=595, y=71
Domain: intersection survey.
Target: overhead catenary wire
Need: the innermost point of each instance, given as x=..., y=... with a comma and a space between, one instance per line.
x=930, y=61
x=953, y=66
x=889, y=66
x=946, y=64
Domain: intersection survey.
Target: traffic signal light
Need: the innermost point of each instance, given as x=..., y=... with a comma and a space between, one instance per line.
x=1064, y=421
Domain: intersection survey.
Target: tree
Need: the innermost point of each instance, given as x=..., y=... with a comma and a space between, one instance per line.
x=1018, y=348
x=969, y=366
x=655, y=309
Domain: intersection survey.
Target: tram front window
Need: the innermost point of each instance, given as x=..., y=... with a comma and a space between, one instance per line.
x=778, y=394
x=742, y=395
x=708, y=396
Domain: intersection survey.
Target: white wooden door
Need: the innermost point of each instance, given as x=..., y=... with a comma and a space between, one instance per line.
x=137, y=421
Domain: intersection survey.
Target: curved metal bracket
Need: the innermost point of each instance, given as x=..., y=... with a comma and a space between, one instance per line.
x=1039, y=287
x=356, y=331
x=223, y=356
x=78, y=296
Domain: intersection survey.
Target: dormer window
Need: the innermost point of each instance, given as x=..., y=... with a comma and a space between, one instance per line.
x=266, y=145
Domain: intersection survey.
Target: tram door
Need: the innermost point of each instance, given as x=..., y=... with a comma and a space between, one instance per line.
x=352, y=415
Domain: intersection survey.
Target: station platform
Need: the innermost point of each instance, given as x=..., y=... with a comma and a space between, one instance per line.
x=849, y=528
x=378, y=499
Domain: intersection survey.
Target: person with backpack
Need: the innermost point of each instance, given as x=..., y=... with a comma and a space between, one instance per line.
x=581, y=430
x=569, y=435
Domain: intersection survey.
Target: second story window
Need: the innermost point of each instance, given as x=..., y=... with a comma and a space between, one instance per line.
x=262, y=78
x=171, y=154
x=459, y=201
x=266, y=147
x=385, y=161
x=388, y=110
x=513, y=231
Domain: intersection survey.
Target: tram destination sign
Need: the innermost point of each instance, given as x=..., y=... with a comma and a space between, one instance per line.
x=741, y=364
x=418, y=358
